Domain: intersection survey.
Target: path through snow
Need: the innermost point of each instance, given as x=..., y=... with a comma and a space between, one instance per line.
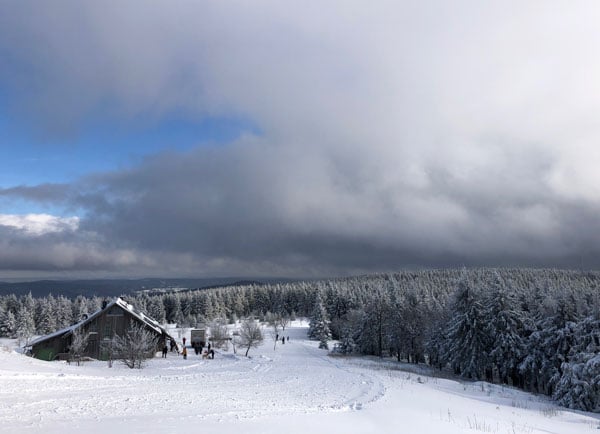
x=295, y=388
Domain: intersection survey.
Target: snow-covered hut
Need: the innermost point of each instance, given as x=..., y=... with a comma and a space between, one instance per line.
x=114, y=318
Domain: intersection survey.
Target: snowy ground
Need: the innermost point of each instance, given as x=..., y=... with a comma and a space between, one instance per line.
x=295, y=389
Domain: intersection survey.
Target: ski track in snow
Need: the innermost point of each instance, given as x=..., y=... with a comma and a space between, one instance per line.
x=297, y=382
x=231, y=386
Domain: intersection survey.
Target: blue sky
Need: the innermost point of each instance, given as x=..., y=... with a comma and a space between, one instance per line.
x=103, y=145
x=33, y=156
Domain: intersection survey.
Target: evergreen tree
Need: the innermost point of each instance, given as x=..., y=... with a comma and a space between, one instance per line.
x=467, y=338
x=25, y=326
x=64, y=312
x=506, y=330
x=407, y=326
x=4, y=325
x=319, y=323
x=374, y=338
x=579, y=384
x=172, y=308
x=156, y=309
x=437, y=341
x=548, y=347
x=79, y=308
x=350, y=330
x=11, y=324
x=46, y=316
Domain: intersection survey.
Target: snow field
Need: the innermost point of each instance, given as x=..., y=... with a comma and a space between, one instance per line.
x=293, y=389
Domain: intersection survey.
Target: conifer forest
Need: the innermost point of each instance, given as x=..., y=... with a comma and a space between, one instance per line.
x=538, y=330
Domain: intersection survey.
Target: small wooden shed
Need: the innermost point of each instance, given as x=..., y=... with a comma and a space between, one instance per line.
x=114, y=318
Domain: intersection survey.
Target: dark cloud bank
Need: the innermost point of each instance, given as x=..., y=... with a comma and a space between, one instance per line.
x=391, y=136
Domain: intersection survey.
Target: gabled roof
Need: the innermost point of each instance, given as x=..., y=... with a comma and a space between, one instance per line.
x=66, y=331
x=152, y=323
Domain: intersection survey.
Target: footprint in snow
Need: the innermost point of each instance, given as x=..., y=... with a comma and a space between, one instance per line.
x=356, y=406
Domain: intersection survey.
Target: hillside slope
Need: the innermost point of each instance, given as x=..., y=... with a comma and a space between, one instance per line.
x=296, y=388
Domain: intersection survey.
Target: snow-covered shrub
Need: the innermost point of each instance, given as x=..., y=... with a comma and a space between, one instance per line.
x=134, y=347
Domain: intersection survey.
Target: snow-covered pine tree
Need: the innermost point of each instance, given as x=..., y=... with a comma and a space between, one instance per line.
x=319, y=323
x=4, y=326
x=156, y=309
x=349, y=331
x=437, y=341
x=409, y=324
x=64, y=312
x=549, y=346
x=579, y=384
x=505, y=329
x=172, y=308
x=11, y=323
x=25, y=325
x=468, y=341
x=375, y=329
x=45, y=319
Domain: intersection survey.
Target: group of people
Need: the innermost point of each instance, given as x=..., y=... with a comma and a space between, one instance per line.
x=283, y=339
x=198, y=346
x=173, y=347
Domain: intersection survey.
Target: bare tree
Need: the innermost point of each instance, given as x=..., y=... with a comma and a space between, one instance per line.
x=219, y=334
x=275, y=333
x=135, y=346
x=79, y=341
x=283, y=320
x=250, y=334
x=234, y=338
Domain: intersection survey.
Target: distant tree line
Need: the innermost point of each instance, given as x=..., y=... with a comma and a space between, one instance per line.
x=534, y=329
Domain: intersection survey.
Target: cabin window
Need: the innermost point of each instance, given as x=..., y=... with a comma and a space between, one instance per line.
x=107, y=331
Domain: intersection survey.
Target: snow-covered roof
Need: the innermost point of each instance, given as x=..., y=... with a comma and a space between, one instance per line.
x=139, y=315
x=153, y=324
x=60, y=332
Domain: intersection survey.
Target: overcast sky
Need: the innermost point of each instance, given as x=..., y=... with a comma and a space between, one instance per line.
x=212, y=138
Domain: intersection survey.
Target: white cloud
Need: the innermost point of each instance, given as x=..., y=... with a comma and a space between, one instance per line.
x=39, y=224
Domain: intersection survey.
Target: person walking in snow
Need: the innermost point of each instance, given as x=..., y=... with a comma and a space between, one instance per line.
x=165, y=350
x=184, y=353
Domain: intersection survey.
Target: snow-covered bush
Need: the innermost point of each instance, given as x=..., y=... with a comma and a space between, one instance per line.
x=134, y=347
x=79, y=341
